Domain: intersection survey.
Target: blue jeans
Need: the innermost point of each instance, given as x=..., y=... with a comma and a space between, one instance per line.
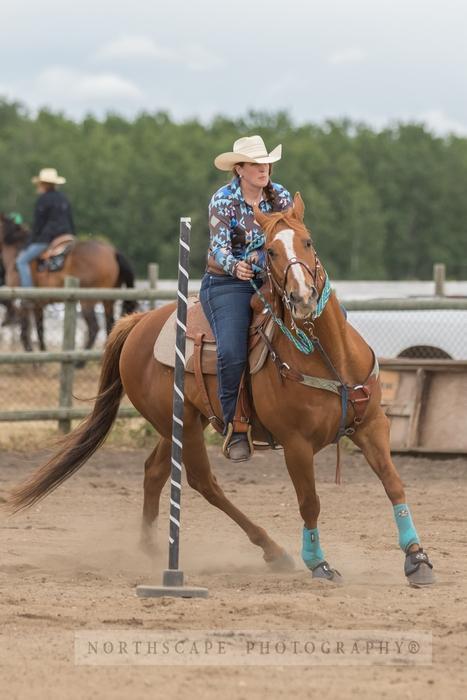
x=24, y=258
x=226, y=303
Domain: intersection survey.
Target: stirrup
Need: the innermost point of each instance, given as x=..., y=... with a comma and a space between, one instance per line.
x=230, y=430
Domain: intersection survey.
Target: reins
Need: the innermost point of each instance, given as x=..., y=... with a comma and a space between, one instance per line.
x=307, y=342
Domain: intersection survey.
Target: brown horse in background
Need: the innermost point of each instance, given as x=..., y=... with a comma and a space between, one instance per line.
x=302, y=419
x=94, y=263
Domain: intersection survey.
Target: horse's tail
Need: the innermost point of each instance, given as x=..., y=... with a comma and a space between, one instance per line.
x=126, y=277
x=81, y=443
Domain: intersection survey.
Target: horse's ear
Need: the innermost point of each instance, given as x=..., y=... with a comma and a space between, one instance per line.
x=298, y=206
x=260, y=217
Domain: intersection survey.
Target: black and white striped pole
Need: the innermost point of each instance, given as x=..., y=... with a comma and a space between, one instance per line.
x=172, y=579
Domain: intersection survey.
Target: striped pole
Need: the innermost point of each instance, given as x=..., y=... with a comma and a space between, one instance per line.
x=178, y=402
x=172, y=578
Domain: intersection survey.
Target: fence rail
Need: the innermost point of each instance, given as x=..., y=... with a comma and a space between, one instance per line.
x=148, y=294
x=68, y=356
x=83, y=293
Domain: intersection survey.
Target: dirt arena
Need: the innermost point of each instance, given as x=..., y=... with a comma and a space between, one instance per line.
x=72, y=564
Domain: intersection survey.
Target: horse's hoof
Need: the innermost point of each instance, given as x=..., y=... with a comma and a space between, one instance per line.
x=418, y=569
x=324, y=571
x=283, y=563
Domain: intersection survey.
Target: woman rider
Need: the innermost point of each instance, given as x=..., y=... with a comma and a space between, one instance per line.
x=52, y=218
x=225, y=289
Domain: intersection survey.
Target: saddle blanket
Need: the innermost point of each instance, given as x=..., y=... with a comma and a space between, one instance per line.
x=164, y=347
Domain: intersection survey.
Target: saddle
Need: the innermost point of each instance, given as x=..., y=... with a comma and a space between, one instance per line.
x=201, y=359
x=53, y=258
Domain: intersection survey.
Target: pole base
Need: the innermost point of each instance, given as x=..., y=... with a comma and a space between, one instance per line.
x=172, y=585
x=173, y=591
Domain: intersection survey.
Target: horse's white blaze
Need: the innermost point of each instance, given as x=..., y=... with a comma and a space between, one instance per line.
x=286, y=237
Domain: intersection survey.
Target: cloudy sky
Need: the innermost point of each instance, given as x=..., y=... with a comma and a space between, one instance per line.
x=372, y=60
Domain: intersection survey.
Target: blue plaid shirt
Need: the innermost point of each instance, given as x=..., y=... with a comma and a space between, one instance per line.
x=232, y=225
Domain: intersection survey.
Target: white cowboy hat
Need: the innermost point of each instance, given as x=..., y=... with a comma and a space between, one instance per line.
x=248, y=149
x=50, y=176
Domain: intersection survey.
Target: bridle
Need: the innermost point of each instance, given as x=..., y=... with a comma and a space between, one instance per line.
x=282, y=289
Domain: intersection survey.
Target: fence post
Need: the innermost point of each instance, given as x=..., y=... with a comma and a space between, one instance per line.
x=67, y=368
x=439, y=277
x=153, y=276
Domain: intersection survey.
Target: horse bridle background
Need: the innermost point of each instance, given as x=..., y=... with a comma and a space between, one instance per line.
x=282, y=290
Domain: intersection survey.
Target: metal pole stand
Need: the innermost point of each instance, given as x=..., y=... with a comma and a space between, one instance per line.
x=172, y=579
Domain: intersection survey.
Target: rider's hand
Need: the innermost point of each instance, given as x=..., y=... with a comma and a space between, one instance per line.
x=243, y=271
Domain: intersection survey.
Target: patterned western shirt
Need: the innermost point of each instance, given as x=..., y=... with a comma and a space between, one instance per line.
x=232, y=225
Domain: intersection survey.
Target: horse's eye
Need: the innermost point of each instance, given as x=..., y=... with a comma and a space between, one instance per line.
x=308, y=243
x=270, y=252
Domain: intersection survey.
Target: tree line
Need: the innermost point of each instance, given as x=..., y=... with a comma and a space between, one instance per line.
x=381, y=204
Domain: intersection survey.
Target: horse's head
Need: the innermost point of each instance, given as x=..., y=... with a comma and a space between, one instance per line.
x=11, y=232
x=292, y=262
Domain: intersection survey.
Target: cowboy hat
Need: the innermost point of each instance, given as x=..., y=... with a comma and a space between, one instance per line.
x=248, y=149
x=50, y=176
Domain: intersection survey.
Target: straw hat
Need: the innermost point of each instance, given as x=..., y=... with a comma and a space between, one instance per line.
x=50, y=176
x=248, y=149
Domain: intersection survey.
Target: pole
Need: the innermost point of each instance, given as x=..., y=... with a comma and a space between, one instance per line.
x=67, y=368
x=172, y=578
x=153, y=276
x=439, y=276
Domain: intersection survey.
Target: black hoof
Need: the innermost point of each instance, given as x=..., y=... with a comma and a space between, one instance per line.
x=418, y=569
x=283, y=563
x=325, y=572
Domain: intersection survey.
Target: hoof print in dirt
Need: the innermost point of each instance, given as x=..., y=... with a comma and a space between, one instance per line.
x=323, y=571
x=282, y=564
x=418, y=569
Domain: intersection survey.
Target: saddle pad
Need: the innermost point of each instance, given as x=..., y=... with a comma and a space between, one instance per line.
x=164, y=347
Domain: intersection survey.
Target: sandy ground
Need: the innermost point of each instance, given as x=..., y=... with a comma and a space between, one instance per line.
x=71, y=564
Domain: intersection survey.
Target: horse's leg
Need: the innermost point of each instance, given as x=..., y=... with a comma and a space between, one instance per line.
x=39, y=319
x=373, y=440
x=89, y=315
x=109, y=315
x=10, y=314
x=156, y=473
x=298, y=454
x=25, y=326
x=201, y=478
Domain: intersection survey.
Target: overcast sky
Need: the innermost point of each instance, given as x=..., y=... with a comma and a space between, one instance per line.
x=372, y=60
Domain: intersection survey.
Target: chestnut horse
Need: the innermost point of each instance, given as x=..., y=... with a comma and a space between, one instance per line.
x=301, y=418
x=94, y=263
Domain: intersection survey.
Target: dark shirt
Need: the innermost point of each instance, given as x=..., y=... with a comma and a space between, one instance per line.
x=52, y=217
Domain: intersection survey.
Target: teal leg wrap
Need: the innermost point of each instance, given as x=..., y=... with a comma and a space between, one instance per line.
x=407, y=532
x=312, y=554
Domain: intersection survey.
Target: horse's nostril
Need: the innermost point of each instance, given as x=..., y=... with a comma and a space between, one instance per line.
x=295, y=298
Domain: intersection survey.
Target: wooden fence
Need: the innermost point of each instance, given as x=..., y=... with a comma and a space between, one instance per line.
x=69, y=355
